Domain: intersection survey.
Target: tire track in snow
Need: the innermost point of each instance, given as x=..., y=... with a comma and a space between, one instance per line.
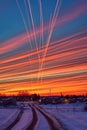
x=33, y=123
x=51, y=123
x=16, y=120
x=24, y=121
x=42, y=122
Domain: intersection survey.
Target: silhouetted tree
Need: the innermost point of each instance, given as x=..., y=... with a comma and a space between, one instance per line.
x=35, y=97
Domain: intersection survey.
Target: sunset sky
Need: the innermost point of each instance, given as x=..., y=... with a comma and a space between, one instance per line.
x=43, y=46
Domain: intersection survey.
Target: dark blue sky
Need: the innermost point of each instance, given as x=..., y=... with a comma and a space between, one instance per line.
x=11, y=22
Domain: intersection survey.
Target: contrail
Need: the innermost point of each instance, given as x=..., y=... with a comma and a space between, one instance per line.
x=26, y=28
x=50, y=34
x=25, y=25
x=41, y=21
x=27, y=14
x=29, y=5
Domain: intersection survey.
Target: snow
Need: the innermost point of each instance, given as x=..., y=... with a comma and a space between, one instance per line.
x=25, y=119
x=7, y=116
x=42, y=123
x=72, y=116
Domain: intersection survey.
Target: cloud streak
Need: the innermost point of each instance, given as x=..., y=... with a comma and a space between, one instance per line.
x=62, y=62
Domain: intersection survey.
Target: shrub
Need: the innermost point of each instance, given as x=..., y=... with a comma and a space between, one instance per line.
x=85, y=108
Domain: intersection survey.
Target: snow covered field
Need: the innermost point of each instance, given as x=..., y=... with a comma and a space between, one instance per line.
x=25, y=119
x=7, y=116
x=71, y=116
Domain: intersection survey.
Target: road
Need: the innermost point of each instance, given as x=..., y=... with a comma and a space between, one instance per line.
x=34, y=118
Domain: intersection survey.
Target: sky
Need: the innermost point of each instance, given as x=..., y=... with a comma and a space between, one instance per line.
x=43, y=46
